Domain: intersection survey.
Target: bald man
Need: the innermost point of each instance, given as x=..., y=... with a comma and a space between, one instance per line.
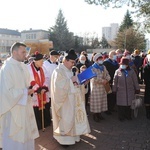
x=111, y=65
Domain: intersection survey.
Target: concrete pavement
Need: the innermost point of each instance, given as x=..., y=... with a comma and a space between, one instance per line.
x=109, y=134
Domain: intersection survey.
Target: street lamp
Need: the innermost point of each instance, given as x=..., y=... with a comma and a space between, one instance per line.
x=125, y=40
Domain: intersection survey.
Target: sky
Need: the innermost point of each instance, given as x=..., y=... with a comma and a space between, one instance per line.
x=41, y=14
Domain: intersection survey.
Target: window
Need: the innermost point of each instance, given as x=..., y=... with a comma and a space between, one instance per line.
x=34, y=36
x=31, y=36
x=26, y=36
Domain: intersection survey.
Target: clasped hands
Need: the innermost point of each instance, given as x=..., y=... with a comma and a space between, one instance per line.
x=40, y=90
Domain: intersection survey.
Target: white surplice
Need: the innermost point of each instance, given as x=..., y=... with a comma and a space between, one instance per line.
x=68, y=108
x=50, y=68
x=18, y=127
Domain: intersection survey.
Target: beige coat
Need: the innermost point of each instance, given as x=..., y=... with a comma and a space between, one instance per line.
x=98, y=98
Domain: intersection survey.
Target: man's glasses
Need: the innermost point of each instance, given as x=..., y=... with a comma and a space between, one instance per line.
x=73, y=62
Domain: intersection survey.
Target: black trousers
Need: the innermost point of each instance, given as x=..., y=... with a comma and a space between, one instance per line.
x=124, y=112
x=111, y=101
x=47, y=116
x=86, y=99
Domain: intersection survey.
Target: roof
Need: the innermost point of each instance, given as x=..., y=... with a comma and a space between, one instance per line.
x=9, y=32
x=38, y=30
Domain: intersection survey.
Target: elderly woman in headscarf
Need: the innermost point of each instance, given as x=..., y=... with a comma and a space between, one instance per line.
x=98, y=98
x=125, y=85
x=128, y=55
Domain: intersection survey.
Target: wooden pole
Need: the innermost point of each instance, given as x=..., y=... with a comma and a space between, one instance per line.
x=42, y=112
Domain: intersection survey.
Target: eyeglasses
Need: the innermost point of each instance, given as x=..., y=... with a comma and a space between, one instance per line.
x=55, y=56
x=73, y=62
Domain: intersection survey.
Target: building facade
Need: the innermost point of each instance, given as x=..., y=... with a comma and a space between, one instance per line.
x=37, y=40
x=106, y=32
x=34, y=35
x=7, y=38
x=110, y=33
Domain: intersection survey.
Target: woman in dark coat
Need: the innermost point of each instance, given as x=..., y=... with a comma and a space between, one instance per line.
x=147, y=88
x=125, y=85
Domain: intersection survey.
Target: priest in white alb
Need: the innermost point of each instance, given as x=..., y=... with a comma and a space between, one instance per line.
x=68, y=108
x=18, y=128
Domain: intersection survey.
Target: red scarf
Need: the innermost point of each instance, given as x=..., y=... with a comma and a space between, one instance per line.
x=40, y=83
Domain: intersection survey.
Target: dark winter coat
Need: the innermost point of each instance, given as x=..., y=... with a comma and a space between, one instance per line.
x=111, y=68
x=147, y=84
x=138, y=62
x=78, y=65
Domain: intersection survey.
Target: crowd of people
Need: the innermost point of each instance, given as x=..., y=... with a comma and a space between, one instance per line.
x=38, y=91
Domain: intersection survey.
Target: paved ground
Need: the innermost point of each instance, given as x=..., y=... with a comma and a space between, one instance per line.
x=109, y=134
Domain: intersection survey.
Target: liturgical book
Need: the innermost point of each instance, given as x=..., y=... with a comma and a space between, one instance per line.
x=86, y=75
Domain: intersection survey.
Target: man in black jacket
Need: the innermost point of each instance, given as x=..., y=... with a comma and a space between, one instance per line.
x=111, y=65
